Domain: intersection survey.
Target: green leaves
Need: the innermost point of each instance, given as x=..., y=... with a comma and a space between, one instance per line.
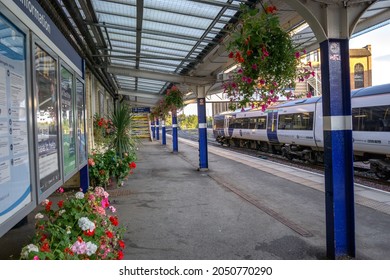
x=266, y=57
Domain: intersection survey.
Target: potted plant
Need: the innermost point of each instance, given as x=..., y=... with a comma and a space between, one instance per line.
x=173, y=99
x=121, y=140
x=268, y=61
x=79, y=227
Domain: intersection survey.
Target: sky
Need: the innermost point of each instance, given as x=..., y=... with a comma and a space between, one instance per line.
x=379, y=39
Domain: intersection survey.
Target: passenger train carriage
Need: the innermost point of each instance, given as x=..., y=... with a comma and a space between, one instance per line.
x=295, y=128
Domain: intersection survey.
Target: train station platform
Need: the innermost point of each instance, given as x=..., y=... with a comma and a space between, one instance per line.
x=242, y=208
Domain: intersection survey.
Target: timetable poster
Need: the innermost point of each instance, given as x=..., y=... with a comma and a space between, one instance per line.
x=15, y=182
x=47, y=119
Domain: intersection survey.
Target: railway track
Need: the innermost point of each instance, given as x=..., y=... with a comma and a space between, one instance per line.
x=361, y=176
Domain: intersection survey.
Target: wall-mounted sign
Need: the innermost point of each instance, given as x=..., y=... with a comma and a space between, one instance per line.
x=15, y=182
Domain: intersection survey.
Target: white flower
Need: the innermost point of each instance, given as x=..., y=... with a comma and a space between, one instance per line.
x=68, y=230
x=86, y=224
x=62, y=211
x=29, y=248
x=79, y=195
x=91, y=248
x=45, y=202
x=39, y=216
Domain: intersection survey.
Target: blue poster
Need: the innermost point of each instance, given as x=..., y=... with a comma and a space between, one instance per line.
x=15, y=183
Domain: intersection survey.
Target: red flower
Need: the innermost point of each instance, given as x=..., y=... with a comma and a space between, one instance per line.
x=45, y=247
x=231, y=55
x=100, y=123
x=43, y=238
x=114, y=221
x=120, y=255
x=121, y=244
x=132, y=165
x=109, y=234
x=60, y=203
x=249, y=52
x=270, y=9
x=91, y=162
x=89, y=232
x=48, y=206
x=68, y=251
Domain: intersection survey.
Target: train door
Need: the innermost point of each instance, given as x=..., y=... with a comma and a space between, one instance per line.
x=272, y=125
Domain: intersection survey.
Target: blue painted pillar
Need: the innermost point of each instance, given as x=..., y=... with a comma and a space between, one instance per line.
x=153, y=130
x=157, y=129
x=202, y=129
x=84, y=178
x=338, y=151
x=163, y=133
x=175, y=142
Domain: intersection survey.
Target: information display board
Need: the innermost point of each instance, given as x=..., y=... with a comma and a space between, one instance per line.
x=81, y=133
x=15, y=181
x=47, y=119
x=68, y=121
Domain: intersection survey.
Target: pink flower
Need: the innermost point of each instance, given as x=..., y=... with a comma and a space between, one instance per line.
x=60, y=190
x=100, y=210
x=105, y=202
x=36, y=258
x=254, y=66
x=249, y=80
x=262, y=82
x=240, y=71
x=112, y=208
x=297, y=55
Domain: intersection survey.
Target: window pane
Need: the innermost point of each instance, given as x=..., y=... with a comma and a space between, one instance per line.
x=68, y=123
x=47, y=119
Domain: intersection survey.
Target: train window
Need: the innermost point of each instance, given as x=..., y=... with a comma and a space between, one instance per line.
x=252, y=123
x=261, y=123
x=371, y=118
x=245, y=123
x=298, y=121
x=218, y=123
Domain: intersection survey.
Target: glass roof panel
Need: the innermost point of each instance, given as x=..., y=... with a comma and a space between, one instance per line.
x=175, y=19
x=184, y=6
x=171, y=29
x=163, y=52
x=167, y=45
x=118, y=6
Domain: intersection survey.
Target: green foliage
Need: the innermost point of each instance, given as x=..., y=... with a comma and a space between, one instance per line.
x=187, y=122
x=82, y=227
x=102, y=131
x=104, y=166
x=121, y=140
x=174, y=98
x=268, y=60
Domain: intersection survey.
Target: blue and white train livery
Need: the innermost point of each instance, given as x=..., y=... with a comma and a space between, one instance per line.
x=295, y=128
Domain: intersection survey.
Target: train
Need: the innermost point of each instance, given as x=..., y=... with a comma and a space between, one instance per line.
x=294, y=129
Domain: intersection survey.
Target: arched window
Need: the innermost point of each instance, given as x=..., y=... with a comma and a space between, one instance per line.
x=359, y=75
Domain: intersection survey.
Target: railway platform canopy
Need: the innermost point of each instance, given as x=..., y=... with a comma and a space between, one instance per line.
x=140, y=48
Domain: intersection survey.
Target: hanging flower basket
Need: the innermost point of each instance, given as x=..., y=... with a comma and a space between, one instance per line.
x=268, y=62
x=174, y=99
